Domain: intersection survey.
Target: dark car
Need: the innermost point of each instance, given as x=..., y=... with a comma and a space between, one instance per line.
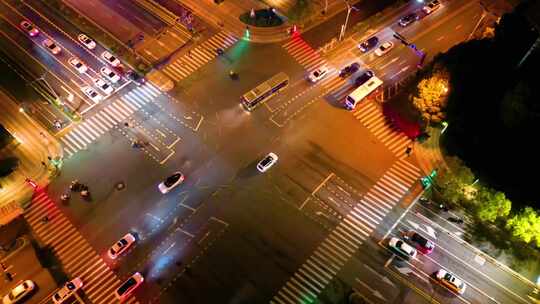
x=422, y=244
x=369, y=44
x=360, y=80
x=408, y=19
x=349, y=70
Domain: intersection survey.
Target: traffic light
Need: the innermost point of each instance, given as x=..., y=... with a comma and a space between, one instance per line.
x=247, y=32
x=428, y=179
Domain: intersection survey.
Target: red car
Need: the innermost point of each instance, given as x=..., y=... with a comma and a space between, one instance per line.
x=423, y=245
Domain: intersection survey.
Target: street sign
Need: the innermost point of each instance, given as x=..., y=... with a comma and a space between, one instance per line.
x=428, y=179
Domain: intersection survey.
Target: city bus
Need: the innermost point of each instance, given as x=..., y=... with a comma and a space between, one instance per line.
x=361, y=92
x=264, y=91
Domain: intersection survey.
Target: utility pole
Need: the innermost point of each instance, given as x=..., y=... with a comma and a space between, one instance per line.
x=47, y=85
x=344, y=26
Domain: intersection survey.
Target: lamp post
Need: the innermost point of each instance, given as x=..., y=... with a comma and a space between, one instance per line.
x=344, y=26
x=47, y=85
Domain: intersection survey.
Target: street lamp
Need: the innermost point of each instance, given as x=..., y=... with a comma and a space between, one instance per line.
x=48, y=86
x=344, y=26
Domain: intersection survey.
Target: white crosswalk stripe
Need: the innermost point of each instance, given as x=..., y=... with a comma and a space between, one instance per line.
x=345, y=239
x=184, y=66
x=78, y=258
x=304, y=54
x=93, y=127
x=371, y=116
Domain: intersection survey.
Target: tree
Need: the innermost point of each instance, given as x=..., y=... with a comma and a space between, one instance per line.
x=491, y=204
x=430, y=97
x=451, y=184
x=8, y=165
x=525, y=226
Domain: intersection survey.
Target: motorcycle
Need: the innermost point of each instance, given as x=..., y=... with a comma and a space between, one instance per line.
x=75, y=186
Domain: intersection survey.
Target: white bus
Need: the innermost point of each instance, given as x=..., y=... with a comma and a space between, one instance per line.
x=361, y=92
x=264, y=91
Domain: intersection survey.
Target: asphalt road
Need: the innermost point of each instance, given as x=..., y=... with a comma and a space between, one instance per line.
x=313, y=222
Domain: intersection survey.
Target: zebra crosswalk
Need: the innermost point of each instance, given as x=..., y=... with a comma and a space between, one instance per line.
x=199, y=56
x=371, y=116
x=304, y=54
x=83, y=134
x=78, y=258
x=343, y=241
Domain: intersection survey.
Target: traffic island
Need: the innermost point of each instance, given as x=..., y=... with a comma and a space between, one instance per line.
x=261, y=18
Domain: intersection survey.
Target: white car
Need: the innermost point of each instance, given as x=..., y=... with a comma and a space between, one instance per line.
x=78, y=65
x=29, y=28
x=318, y=74
x=51, y=46
x=128, y=286
x=92, y=94
x=67, y=290
x=86, y=41
x=109, y=74
x=122, y=245
x=450, y=281
x=110, y=59
x=103, y=86
x=19, y=292
x=170, y=182
x=384, y=48
x=431, y=7
x=404, y=249
x=267, y=162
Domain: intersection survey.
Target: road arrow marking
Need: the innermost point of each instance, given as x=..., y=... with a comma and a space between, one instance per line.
x=413, y=224
x=430, y=231
x=383, y=278
x=373, y=291
x=404, y=270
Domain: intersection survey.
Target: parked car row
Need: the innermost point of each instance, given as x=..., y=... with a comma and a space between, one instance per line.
x=407, y=248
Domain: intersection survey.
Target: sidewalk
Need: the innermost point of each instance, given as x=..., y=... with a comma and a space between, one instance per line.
x=227, y=16
x=32, y=146
x=428, y=154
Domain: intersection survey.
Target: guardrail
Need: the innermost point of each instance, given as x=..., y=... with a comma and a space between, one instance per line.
x=165, y=15
x=159, y=11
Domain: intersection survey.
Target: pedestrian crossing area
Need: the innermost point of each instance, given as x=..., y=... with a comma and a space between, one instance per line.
x=371, y=116
x=93, y=127
x=199, y=56
x=77, y=257
x=304, y=54
x=344, y=240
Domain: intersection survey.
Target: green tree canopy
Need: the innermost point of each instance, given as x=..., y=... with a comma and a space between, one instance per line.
x=525, y=225
x=452, y=183
x=430, y=96
x=491, y=204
